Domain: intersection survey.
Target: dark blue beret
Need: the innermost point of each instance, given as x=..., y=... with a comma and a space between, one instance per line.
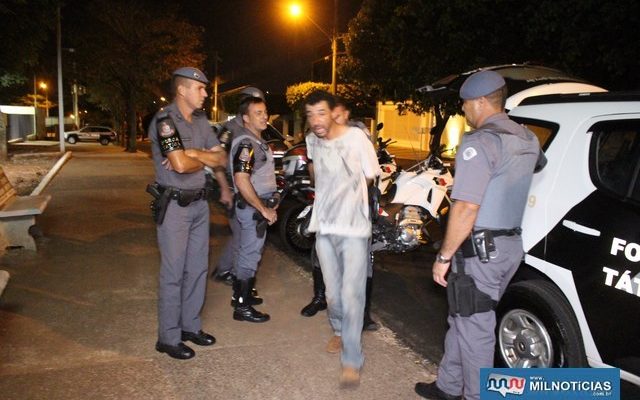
x=481, y=84
x=191, y=73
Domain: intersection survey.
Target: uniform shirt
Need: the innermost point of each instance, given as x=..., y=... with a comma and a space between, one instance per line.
x=196, y=134
x=341, y=167
x=263, y=173
x=494, y=170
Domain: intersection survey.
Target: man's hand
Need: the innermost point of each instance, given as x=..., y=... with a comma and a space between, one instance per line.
x=270, y=215
x=167, y=164
x=440, y=272
x=214, y=157
x=226, y=197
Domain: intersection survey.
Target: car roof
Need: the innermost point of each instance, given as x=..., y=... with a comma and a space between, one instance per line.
x=630, y=96
x=518, y=77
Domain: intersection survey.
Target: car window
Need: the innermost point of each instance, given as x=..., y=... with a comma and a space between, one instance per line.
x=544, y=130
x=615, y=157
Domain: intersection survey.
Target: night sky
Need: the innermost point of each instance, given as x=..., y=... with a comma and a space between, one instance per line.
x=259, y=44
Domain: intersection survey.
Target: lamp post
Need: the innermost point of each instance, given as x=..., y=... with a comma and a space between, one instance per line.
x=295, y=10
x=43, y=86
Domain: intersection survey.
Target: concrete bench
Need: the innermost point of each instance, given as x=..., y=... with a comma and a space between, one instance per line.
x=18, y=215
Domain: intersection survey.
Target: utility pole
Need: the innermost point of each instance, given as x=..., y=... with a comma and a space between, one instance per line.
x=35, y=107
x=60, y=99
x=214, y=111
x=334, y=47
x=74, y=92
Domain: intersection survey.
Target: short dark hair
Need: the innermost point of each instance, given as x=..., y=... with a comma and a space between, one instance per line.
x=498, y=97
x=243, y=109
x=177, y=81
x=340, y=102
x=317, y=96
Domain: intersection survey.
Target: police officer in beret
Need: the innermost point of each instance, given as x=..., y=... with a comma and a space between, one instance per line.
x=482, y=245
x=254, y=183
x=182, y=143
x=224, y=270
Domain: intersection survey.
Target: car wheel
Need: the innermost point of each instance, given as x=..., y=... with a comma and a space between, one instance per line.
x=104, y=141
x=290, y=229
x=536, y=328
x=72, y=140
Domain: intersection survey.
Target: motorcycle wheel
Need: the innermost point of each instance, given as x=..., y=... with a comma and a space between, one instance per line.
x=290, y=230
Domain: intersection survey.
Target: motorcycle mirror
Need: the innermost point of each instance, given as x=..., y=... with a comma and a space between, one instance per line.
x=379, y=126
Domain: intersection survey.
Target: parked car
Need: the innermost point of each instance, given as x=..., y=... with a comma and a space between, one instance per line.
x=101, y=134
x=575, y=300
x=523, y=80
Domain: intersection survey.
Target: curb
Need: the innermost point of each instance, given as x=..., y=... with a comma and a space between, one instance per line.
x=4, y=278
x=52, y=172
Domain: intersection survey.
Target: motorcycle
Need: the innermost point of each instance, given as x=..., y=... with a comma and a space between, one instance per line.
x=387, y=161
x=295, y=173
x=418, y=197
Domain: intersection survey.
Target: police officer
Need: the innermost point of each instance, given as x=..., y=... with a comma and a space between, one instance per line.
x=482, y=244
x=181, y=139
x=224, y=270
x=254, y=183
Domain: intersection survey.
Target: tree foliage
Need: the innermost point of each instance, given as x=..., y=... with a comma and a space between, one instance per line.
x=419, y=41
x=124, y=52
x=25, y=27
x=358, y=101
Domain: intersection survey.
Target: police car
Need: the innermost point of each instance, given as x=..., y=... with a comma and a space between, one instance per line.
x=102, y=134
x=575, y=301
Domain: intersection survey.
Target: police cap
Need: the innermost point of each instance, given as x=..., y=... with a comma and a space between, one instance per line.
x=191, y=73
x=481, y=84
x=251, y=91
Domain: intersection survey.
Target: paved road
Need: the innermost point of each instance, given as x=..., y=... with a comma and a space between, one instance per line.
x=78, y=318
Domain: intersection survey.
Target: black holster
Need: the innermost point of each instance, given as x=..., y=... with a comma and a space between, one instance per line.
x=159, y=203
x=464, y=298
x=263, y=224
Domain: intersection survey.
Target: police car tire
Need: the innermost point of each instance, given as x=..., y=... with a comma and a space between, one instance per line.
x=72, y=140
x=104, y=141
x=544, y=301
x=289, y=229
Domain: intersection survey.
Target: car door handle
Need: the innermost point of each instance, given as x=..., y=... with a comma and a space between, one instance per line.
x=574, y=226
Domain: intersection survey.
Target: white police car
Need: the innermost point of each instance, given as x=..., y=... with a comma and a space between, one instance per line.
x=575, y=301
x=102, y=134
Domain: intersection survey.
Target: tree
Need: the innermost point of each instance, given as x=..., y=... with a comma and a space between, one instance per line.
x=419, y=41
x=124, y=62
x=25, y=27
x=359, y=103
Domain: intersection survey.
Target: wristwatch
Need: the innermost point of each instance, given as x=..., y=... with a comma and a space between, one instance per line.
x=441, y=260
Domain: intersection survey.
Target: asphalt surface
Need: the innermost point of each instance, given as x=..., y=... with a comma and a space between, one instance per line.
x=78, y=317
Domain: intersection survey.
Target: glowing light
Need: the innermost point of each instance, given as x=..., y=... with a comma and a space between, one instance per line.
x=295, y=10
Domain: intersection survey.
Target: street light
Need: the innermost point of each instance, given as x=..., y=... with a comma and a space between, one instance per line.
x=295, y=10
x=43, y=86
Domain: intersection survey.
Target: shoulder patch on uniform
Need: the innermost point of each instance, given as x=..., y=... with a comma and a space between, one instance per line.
x=245, y=155
x=166, y=128
x=469, y=153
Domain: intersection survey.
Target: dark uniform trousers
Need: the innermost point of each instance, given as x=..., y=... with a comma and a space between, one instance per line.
x=183, y=240
x=470, y=341
x=250, y=246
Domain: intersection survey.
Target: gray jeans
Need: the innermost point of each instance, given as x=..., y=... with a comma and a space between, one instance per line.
x=343, y=261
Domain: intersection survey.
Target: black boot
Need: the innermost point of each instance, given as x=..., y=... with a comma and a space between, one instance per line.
x=319, y=302
x=243, y=310
x=253, y=299
x=369, y=324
